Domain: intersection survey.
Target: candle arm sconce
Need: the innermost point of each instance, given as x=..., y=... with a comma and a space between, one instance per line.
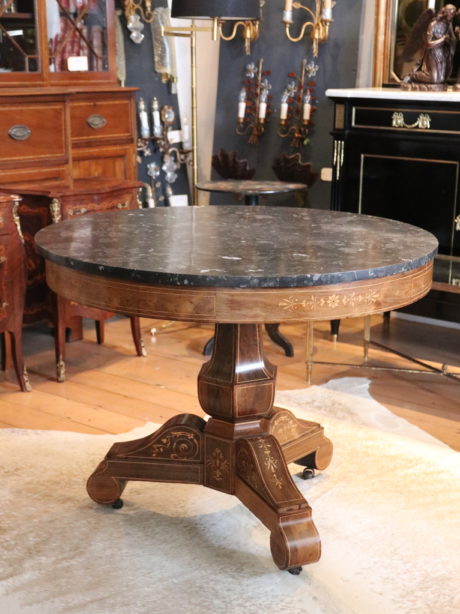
x=169, y=142
x=317, y=24
x=254, y=103
x=297, y=105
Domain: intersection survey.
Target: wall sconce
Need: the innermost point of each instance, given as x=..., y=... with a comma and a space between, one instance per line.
x=254, y=103
x=135, y=11
x=297, y=105
x=244, y=14
x=321, y=19
x=172, y=144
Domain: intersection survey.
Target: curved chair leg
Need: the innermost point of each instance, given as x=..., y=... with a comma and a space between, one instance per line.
x=137, y=337
x=100, y=331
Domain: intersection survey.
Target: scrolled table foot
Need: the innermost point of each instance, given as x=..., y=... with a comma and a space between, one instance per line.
x=295, y=542
x=103, y=488
x=265, y=486
x=319, y=459
x=173, y=453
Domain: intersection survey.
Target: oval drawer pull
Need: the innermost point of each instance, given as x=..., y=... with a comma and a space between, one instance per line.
x=78, y=211
x=423, y=121
x=19, y=132
x=3, y=305
x=96, y=121
x=457, y=222
x=122, y=206
x=2, y=259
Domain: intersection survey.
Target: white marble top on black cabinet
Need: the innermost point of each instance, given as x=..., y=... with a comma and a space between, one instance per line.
x=393, y=93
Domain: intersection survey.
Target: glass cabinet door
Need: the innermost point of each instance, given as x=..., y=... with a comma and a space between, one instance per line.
x=77, y=35
x=19, y=37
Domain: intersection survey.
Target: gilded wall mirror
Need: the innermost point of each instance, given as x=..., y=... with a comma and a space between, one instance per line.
x=394, y=22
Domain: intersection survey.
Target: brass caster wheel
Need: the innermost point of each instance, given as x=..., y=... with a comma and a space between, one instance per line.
x=295, y=571
x=117, y=504
x=308, y=474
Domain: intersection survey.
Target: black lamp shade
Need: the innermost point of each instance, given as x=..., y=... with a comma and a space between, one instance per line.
x=208, y=9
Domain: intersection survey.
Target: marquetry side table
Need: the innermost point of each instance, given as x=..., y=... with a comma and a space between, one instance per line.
x=44, y=203
x=217, y=264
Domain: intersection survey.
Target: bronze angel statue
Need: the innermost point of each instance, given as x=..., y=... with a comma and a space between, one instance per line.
x=438, y=42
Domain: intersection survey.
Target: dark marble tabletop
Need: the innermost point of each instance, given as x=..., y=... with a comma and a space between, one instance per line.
x=250, y=186
x=236, y=246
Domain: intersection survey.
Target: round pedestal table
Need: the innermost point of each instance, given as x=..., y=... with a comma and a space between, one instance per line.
x=223, y=265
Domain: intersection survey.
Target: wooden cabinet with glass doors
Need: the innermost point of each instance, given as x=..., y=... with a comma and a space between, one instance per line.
x=56, y=41
x=63, y=116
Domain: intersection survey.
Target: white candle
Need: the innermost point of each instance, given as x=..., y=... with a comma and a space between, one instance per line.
x=156, y=117
x=288, y=5
x=327, y=10
x=306, y=108
x=143, y=120
x=284, y=110
x=242, y=104
x=262, y=110
x=284, y=105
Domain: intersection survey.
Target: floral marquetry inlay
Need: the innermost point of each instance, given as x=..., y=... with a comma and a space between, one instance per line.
x=218, y=465
x=271, y=464
x=284, y=426
x=332, y=301
x=182, y=445
x=268, y=461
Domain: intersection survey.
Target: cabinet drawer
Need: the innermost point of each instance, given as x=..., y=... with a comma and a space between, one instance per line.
x=423, y=120
x=100, y=119
x=32, y=132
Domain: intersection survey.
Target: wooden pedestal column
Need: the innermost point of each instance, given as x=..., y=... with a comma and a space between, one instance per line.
x=243, y=449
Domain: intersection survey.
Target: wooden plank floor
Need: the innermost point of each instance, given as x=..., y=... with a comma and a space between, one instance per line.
x=110, y=390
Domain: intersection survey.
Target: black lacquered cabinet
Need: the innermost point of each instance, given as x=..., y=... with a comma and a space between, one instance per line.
x=397, y=155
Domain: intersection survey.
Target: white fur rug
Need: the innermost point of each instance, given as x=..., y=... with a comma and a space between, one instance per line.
x=387, y=510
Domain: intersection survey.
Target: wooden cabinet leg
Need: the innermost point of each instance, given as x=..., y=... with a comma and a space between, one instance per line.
x=18, y=360
x=59, y=338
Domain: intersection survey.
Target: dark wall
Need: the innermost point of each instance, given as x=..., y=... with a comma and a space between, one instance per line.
x=338, y=65
x=140, y=73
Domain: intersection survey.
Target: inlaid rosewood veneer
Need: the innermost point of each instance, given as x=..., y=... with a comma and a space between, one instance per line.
x=238, y=267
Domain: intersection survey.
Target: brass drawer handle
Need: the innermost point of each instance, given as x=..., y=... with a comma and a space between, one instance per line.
x=457, y=222
x=78, y=211
x=96, y=121
x=122, y=206
x=19, y=132
x=423, y=121
x=2, y=259
x=3, y=305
